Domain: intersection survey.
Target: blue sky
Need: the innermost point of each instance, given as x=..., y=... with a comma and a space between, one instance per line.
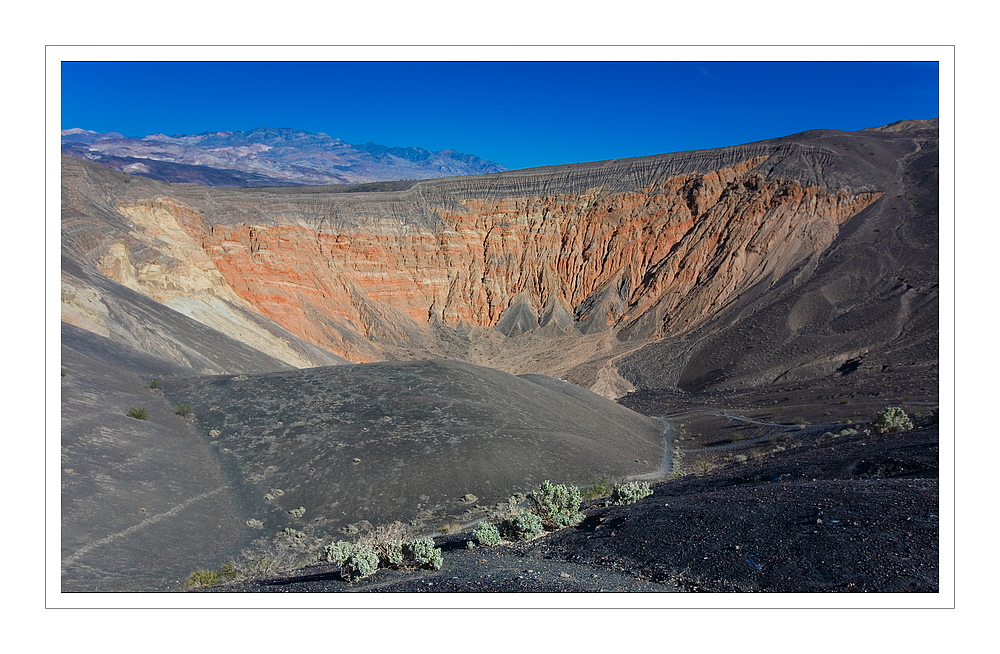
x=519, y=114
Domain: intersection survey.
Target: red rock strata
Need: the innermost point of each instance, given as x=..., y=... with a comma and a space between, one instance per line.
x=683, y=247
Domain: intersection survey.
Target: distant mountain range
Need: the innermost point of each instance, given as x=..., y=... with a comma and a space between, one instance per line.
x=266, y=157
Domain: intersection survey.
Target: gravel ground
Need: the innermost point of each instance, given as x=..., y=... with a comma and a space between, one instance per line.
x=825, y=513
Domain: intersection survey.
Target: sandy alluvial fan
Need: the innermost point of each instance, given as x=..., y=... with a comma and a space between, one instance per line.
x=314, y=357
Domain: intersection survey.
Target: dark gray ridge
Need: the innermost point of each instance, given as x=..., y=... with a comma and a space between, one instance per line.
x=828, y=158
x=518, y=318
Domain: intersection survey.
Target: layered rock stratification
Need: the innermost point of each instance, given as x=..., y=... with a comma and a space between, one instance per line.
x=635, y=250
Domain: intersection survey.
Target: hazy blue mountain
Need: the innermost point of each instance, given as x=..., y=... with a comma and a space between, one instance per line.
x=266, y=156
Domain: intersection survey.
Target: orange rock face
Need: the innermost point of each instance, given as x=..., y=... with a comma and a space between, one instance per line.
x=681, y=247
x=629, y=249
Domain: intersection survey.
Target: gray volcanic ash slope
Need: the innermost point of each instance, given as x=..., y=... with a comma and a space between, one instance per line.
x=389, y=441
x=145, y=502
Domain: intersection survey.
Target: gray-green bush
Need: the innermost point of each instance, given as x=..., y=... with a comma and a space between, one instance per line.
x=629, y=492
x=557, y=505
x=487, y=534
x=361, y=562
x=382, y=547
x=394, y=553
x=523, y=526
x=425, y=553
x=338, y=552
x=892, y=419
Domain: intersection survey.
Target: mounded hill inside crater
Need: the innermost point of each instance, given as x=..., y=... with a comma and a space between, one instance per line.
x=407, y=440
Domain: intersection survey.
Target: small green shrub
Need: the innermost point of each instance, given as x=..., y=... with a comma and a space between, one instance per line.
x=361, y=562
x=523, y=526
x=394, y=553
x=155, y=384
x=338, y=552
x=207, y=578
x=201, y=579
x=557, y=505
x=629, y=493
x=139, y=413
x=598, y=488
x=487, y=534
x=228, y=572
x=425, y=553
x=892, y=419
x=184, y=410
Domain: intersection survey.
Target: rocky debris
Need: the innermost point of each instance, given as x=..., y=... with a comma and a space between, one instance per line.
x=803, y=520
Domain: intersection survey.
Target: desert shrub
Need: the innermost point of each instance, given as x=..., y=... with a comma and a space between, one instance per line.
x=361, y=562
x=139, y=413
x=386, y=540
x=557, y=505
x=504, y=510
x=201, y=579
x=206, y=578
x=228, y=572
x=629, y=492
x=487, y=534
x=155, y=384
x=704, y=463
x=423, y=551
x=338, y=552
x=892, y=419
x=267, y=557
x=394, y=553
x=382, y=547
x=184, y=410
x=601, y=487
x=523, y=526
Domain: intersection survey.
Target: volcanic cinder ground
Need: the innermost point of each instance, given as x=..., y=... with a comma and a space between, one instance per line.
x=346, y=355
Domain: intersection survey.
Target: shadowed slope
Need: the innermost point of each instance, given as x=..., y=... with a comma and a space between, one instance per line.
x=143, y=503
x=865, y=305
